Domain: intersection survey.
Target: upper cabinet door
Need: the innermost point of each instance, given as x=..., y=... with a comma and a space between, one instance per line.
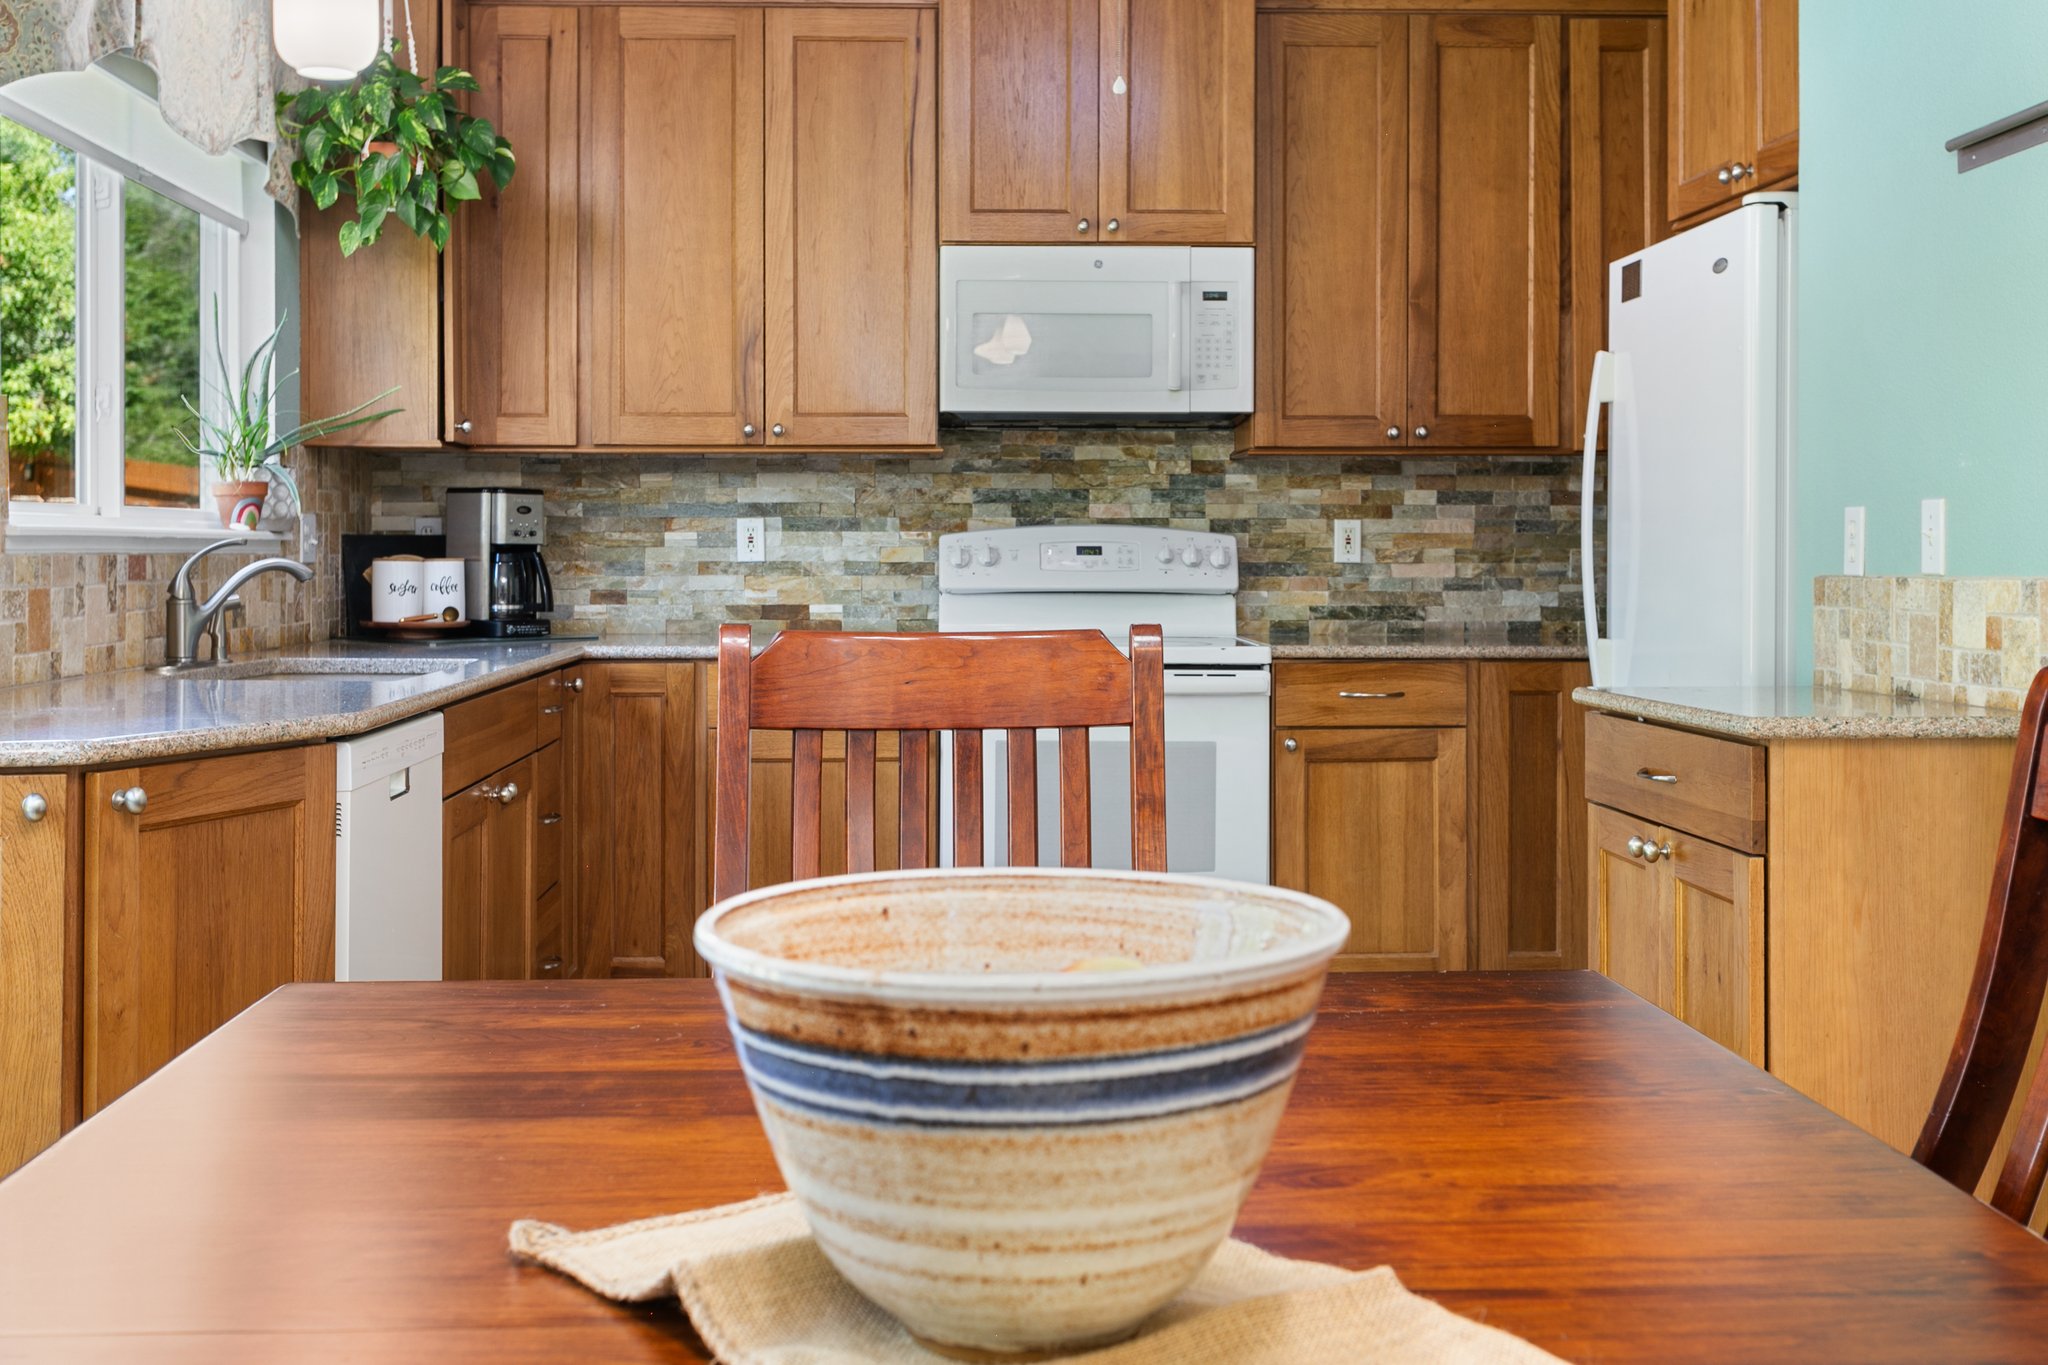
x=673, y=215
x=1776, y=135
x=513, y=266
x=1486, y=172
x=1175, y=99
x=1017, y=135
x=852, y=227
x=1713, y=99
x=1332, y=231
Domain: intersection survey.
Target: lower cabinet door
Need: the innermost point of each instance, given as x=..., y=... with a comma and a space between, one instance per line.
x=1374, y=821
x=1680, y=921
x=208, y=883
x=35, y=891
x=487, y=902
x=635, y=817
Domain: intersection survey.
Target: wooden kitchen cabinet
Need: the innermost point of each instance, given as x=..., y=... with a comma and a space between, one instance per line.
x=209, y=884
x=673, y=220
x=637, y=798
x=1680, y=921
x=1097, y=120
x=1614, y=134
x=38, y=903
x=851, y=231
x=1373, y=820
x=1529, y=815
x=513, y=265
x=1734, y=104
x=510, y=824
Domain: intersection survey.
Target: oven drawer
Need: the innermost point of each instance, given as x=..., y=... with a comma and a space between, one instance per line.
x=1369, y=694
x=1712, y=788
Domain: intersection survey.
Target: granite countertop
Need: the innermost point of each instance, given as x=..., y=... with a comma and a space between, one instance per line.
x=1373, y=640
x=349, y=687
x=1767, y=713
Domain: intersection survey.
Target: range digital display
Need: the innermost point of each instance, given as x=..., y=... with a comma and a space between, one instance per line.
x=1086, y=550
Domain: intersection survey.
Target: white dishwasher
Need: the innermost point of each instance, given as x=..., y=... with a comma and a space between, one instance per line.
x=387, y=853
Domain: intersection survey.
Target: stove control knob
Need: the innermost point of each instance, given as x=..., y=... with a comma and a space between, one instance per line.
x=1166, y=554
x=961, y=556
x=1220, y=557
x=988, y=556
x=1191, y=556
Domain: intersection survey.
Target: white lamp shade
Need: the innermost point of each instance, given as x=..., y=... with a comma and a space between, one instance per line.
x=326, y=40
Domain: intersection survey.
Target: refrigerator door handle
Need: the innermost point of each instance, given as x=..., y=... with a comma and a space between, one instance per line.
x=1601, y=393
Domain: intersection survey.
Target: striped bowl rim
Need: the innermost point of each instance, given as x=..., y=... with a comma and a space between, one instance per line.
x=1325, y=930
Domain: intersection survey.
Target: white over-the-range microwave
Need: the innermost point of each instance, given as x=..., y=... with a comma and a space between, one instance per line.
x=1095, y=332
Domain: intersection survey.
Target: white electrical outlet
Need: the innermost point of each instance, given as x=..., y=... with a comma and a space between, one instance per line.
x=1346, y=539
x=426, y=526
x=1934, y=535
x=753, y=540
x=1852, y=541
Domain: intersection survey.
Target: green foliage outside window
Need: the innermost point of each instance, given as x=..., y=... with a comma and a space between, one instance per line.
x=38, y=300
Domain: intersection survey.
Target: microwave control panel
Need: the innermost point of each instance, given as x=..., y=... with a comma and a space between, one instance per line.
x=1212, y=339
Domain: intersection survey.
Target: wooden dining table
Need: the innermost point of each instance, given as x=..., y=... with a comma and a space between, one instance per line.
x=331, y=1176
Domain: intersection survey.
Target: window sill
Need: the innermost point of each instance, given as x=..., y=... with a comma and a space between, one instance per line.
x=32, y=534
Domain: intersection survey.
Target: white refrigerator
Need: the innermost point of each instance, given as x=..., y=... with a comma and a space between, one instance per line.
x=1698, y=390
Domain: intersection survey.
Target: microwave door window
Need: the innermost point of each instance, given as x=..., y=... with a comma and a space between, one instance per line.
x=1032, y=350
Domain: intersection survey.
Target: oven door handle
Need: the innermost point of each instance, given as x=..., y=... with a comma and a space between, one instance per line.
x=1190, y=682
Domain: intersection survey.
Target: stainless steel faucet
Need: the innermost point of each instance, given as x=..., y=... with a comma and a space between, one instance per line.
x=186, y=618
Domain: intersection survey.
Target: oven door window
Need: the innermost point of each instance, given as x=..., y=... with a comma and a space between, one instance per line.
x=1191, y=809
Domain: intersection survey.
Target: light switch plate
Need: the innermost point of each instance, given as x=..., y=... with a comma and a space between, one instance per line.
x=753, y=540
x=1852, y=541
x=1346, y=539
x=426, y=526
x=1934, y=535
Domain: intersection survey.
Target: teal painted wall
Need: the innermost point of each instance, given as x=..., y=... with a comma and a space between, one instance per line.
x=1923, y=294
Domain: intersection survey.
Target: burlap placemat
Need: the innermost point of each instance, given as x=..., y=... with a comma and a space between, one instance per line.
x=759, y=1292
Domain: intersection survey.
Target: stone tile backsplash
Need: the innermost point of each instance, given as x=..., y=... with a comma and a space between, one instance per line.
x=1972, y=640
x=640, y=542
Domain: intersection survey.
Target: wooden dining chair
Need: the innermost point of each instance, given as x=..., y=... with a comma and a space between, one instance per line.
x=2004, y=1005
x=810, y=682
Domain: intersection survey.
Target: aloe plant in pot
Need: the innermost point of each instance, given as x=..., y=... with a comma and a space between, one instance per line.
x=398, y=144
x=240, y=437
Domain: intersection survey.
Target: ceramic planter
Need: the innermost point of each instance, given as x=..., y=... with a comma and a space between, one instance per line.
x=240, y=503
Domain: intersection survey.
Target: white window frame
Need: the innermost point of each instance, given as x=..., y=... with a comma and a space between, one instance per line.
x=119, y=140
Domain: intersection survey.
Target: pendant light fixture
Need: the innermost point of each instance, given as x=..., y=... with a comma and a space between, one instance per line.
x=326, y=40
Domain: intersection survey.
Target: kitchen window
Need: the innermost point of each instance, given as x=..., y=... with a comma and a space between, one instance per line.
x=119, y=242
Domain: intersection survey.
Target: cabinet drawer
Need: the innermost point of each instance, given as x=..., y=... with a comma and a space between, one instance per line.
x=549, y=698
x=548, y=822
x=1710, y=787
x=485, y=733
x=1369, y=694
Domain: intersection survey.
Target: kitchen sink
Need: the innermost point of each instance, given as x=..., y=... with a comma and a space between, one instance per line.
x=316, y=670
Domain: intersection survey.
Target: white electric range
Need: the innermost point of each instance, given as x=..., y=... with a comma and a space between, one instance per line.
x=1218, y=686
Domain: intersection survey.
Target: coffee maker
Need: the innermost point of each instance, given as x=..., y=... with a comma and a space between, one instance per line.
x=498, y=532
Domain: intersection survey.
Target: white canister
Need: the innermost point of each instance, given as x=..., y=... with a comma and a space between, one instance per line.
x=447, y=586
x=398, y=587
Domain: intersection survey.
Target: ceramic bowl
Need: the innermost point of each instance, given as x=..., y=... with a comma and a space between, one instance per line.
x=1020, y=1107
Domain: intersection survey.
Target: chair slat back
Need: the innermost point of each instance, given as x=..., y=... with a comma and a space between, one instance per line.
x=812, y=682
x=2004, y=1004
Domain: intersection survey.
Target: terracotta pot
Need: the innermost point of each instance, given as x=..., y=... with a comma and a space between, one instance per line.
x=380, y=149
x=240, y=503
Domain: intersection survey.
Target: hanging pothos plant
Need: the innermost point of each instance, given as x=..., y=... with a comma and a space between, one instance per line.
x=398, y=144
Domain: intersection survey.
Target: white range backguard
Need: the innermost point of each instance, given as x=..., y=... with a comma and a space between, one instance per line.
x=1699, y=377
x=1218, y=688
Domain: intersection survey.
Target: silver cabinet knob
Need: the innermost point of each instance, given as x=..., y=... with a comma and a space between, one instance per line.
x=1724, y=175
x=131, y=799
x=775, y=430
x=1422, y=433
x=465, y=427
x=1743, y=172
x=1110, y=226
x=34, y=807
x=1393, y=433
x=1636, y=846
x=1647, y=851
x=1081, y=226
x=574, y=684
x=504, y=795
x=747, y=430
x=1290, y=745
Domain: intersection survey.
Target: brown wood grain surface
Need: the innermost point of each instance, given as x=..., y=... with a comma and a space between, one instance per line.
x=1712, y=787
x=332, y=1176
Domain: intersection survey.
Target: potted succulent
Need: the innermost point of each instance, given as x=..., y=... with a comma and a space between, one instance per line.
x=398, y=144
x=239, y=439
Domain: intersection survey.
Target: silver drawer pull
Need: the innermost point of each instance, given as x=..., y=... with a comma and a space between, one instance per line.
x=551, y=819
x=1371, y=696
x=551, y=710
x=1669, y=779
